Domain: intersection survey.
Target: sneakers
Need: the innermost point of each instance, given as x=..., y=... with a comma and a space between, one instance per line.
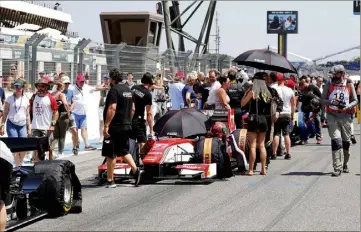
x=138, y=177
x=274, y=157
x=345, y=169
x=319, y=141
x=110, y=184
x=75, y=151
x=90, y=148
x=287, y=156
x=336, y=173
x=353, y=139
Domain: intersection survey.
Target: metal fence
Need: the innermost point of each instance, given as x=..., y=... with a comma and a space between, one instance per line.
x=32, y=54
x=310, y=68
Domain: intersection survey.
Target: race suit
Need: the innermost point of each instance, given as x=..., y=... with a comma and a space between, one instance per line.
x=235, y=93
x=339, y=120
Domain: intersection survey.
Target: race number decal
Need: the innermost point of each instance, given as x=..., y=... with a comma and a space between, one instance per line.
x=341, y=94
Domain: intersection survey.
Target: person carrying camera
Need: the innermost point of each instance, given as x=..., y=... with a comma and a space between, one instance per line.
x=339, y=98
x=308, y=92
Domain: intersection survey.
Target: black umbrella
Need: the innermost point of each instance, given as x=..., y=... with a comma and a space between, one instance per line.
x=265, y=59
x=182, y=123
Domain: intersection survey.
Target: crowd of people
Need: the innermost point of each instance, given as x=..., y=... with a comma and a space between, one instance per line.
x=265, y=103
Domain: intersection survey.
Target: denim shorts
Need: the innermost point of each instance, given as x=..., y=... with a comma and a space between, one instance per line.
x=80, y=121
x=15, y=131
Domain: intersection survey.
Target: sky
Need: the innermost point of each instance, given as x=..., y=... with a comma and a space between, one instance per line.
x=325, y=27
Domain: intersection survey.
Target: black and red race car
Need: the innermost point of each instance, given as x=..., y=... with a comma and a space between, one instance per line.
x=49, y=187
x=169, y=158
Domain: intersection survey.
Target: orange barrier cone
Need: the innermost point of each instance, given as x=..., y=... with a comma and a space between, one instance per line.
x=358, y=114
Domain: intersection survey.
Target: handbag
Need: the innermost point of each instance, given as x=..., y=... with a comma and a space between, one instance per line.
x=253, y=118
x=108, y=147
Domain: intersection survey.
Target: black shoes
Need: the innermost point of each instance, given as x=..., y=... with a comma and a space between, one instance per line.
x=345, y=169
x=110, y=184
x=353, y=139
x=138, y=177
x=288, y=156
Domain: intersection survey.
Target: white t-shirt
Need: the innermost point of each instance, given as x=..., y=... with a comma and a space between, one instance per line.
x=285, y=94
x=212, y=97
x=274, y=85
x=5, y=153
x=42, y=109
x=17, y=109
x=79, y=96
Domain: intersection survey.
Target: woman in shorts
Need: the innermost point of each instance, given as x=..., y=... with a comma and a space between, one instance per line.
x=17, y=117
x=257, y=100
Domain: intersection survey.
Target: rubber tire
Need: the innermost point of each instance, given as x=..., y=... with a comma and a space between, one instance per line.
x=64, y=198
x=51, y=192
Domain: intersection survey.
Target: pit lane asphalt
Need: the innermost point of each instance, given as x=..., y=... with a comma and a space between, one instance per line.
x=296, y=195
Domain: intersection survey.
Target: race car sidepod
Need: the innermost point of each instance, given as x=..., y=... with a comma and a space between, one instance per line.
x=207, y=161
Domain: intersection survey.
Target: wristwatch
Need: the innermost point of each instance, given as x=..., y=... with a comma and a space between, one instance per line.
x=53, y=123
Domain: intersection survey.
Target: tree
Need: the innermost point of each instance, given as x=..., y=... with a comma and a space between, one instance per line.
x=357, y=60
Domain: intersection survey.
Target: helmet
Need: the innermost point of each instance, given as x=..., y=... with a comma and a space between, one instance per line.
x=219, y=129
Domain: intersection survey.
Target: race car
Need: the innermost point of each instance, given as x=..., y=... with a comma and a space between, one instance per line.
x=169, y=158
x=47, y=188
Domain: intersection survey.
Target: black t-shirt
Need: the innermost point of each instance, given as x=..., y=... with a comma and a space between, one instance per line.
x=197, y=87
x=121, y=95
x=204, y=90
x=142, y=98
x=308, y=94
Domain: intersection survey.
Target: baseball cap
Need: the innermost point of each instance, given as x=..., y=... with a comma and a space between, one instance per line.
x=180, y=75
x=80, y=78
x=338, y=68
x=106, y=76
x=65, y=80
x=280, y=77
x=19, y=83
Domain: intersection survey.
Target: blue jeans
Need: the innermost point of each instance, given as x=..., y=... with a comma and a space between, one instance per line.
x=313, y=127
x=15, y=131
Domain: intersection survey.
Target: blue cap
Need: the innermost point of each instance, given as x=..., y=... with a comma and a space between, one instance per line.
x=106, y=76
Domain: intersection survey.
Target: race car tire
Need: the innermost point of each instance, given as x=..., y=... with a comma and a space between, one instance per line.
x=60, y=190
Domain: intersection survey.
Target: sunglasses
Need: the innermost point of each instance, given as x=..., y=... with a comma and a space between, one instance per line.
x=81, y=82
x=41, y=86
x=18, y=86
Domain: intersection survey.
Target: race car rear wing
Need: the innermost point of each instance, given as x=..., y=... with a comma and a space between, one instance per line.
x=39, y=144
